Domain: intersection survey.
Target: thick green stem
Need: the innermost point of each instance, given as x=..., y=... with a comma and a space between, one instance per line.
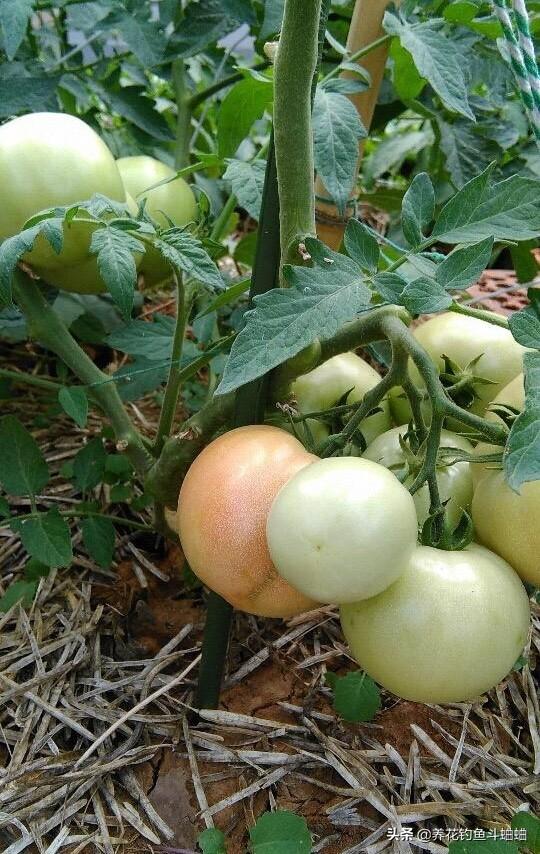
x=183, y=120
x=489, y=316
x=214, y=651
x=295, y=67
x=30, y=379
x=47, y=328
x=174, y=382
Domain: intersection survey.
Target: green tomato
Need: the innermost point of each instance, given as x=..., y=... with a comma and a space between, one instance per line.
x=52, y=160
x=173, y=201
x=451, y=627
x=455, y=481
x=464, y=339
x=323, y=387
x=341, y=529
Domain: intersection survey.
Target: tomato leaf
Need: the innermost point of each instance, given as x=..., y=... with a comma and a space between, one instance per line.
x=524, y=821
x=152, y=341
x=89, y=465
x=212, y=841
x=74, y=402
x=19, y=591
x=206, y=22
x=362, y=246
x=243, y=104
x=318, y=301
x=114, y=249
x=187, y=255
x=5, y=510
x=522, y=453
x=525, y=324
x=247, y=181
x=507, y=210
x=46, y=537
x=337, y=129
x=356, y=696
x=464, y=265
x=11, y=252
x=280, y=832
x=14, y=18
x=424, y=296
x=99, y=537
x=483, y=846
x=23, y=470
x=466, y=152
x=273, y=16
x=418, y=208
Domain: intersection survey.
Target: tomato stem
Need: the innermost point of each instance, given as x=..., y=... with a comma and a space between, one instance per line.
x=488, y=316
x=184, y=112
x=174, y=382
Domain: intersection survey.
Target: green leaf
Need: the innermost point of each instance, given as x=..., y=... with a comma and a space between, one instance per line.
x=460, y=11
x=393, y=150
x=23, y=470
x=483, y=846
x=120, y=493
x=5, y=510
x=140, y=377
x=424, y=296
x=131, y=104
x=362, y=246
x=390, y=286
x=11, y=252
x=243, y=104
x=356, y=696
x=14, y=18
x=212, y=841
x=144, y=38
x=206, y=22
x=507, y=210
x=19, y=591
x=27, y=93
x=98, y=537
x=408, y=83
x=35, y=569
x=337, y=129
x=280, y=832
x=152, y=341
x=273, y=16
x=46, y=537
x=227, y=297
x=114, y=249
x=436, y=59
x=187, y=254
x=418, y=208
x=525, y=324
x=531, y=825
x=464, y=265
x=247, y=181
x=531, y=366
x=89, y=465
x=521, y=458
x=318, y=301
x=466, y=152
x=74, y=402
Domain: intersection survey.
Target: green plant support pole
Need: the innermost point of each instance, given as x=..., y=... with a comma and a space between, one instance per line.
x=249, y=409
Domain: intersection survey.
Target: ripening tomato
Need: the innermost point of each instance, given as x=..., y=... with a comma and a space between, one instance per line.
x=222, y=510
x=173, y=201
x=52, y=160
x=451, y=627
x=464, y=339
x=455, y=481
x=342, y=529
x=326, y=385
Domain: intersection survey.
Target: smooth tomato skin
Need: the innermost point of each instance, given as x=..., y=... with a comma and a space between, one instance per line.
x=51, y=160
x=449, y=629
x=342, y=529
x=463, y=339
x=222, y=510
x=323, y=387
x=174, y=201
x=455, y=481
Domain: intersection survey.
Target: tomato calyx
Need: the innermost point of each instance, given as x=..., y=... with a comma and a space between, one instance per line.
x=437, y=532
x=461, y=384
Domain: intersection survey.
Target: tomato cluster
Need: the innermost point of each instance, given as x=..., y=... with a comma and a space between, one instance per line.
x=276, y=530
x=53, y=160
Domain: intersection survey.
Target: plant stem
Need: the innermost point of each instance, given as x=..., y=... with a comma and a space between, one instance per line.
x=359, y=54
x=295, y=66
x=183, y=120
x=214, y=651
x=174, y=382
x=488, y=316
x=220, y=224
x=83, y=514
x=47, y=328
x=29, y=379
x=199, y=97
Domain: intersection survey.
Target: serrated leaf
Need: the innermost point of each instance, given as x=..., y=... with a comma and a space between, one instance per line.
x=247, y=181
x=190, y=257
x=27, y=93
x=464, y=265
x=418, y=208
x=507, y=210
x=280, y=832
x=131, y=103
x=408, y=83
x=74, y=402
x=212, y=841
x=531, y=367
x=337, y=129
x=11, y=252
x=318, y=301
x=19, y=591
x=390, y=286
x=521, y=458
x=14, y=18
x=436, y=59
x=144, y=38
x=525, y=324
x=206, y=22
x=46, y=536
x=362, y=246
x=114, y=249
x=531, y=825
x=99, y=538
x=152, y=341
x=466, y=152
x=23, y=470
x=393, y=150
x=243, y=104
x=424, y=296
x=356, y=697
x=89, y=465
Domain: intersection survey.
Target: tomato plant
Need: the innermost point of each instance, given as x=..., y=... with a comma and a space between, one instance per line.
x=450, y=628
x=328, y=531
